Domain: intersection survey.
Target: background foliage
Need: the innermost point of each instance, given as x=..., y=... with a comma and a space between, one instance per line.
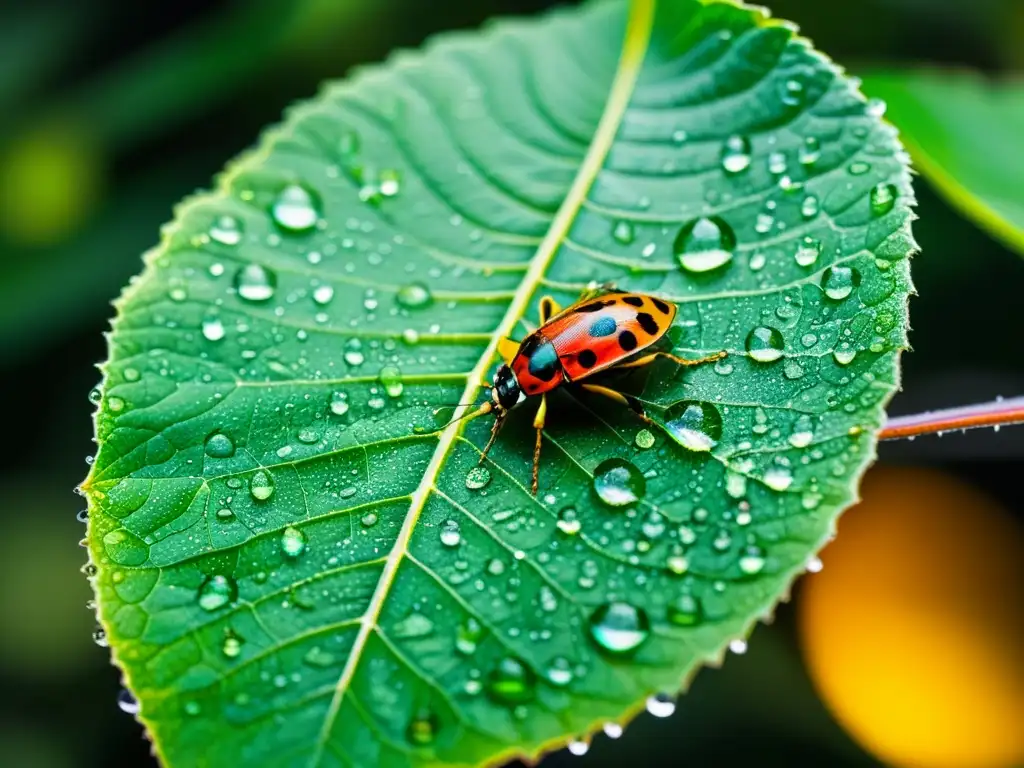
x=108, y=115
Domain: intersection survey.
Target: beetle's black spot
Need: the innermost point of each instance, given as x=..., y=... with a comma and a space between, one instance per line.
x=544, y=361
x=587, y=358
x=594, y=306
x=661, y=306
x=627, y=341
x=633, y=301
x=648, y=323
x=603, y=326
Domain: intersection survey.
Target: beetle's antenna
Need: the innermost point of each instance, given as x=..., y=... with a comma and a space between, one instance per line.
x=470, y=415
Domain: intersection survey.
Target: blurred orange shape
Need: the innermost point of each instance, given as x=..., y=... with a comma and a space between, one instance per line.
x=912, y=632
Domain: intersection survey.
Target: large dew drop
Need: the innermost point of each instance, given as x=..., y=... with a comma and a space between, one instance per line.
x=619, y=628
x=704, y=244
x=765, y=344
x=226, y=230
x=736, y=154
x=261, y=485
x=296, y=209
x=216, y=592
x=219, y=446
x=838, y=282
x=255, y=282
x=883, y=198
x=512, y=682
x=477, y=478
x=391, y=379
x=694, y=425
x=618, y=483
x=293, y=542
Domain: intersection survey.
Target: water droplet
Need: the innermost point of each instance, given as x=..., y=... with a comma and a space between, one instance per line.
x=232, y=645
x=389, y=181
x=644, y=439
x=619, y=628
x=778, y=477
x=704, y=244
x=765, y=344
x=623, y=232
x=339, y=403
x=694, y=425
x=216, y=592
x=477, y=478
x=802, y=434
x=296, y=209
x=559, y=672
x=450, y=533
x=875, y=108
x=776, y=163
x=883, y=198
x=219, y=446
x=738, y=646
x=685, y=611
x=115, y=404
x=569, y=522
x=810, y=151
x=323, y=294
x=255, y=282
x=661, y=705
x=213, y=329
x=468, y=636
x=261, y=485
x=792, y=93
x=752, y=561
x=391, y=379
x=99, y=636
x=838, y=282
x=414, y=296
x=422, y=728
x=127, y=703
x=809, y=207
x=844, y=354
x=82, y=516
x=612, y=730
x=678, y=564
x=95, y=395
x=512, y=682
x=736, y=154
x=578, y=747
x=859, y=168
x=807, y=251
x=293, y=542
x=618, y=483
x=226, y=230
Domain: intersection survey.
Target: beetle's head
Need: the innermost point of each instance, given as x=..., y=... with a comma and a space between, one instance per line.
x=506, y=393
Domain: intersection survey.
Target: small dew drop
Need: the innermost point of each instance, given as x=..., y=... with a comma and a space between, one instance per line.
x=838, y=282
x=339, y=403
x=568, y=521
x=323, y=294
x=219, y=446
x=684, y=611
x=512, y=682
x=391, y=379
x=623, y=232
x=644, y=439
x=752, y=561
x=451, y=536
x=226, y=230
x=807, y=252
x=422, y=728
x=778, y=478
x=127, y=703
x=661, y=705
x=414, y=296
x=883, y=198
x=477, y=478
x=213, y=329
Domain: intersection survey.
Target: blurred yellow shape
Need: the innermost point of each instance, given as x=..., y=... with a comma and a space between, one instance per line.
x=51, y=179
x=912, y=632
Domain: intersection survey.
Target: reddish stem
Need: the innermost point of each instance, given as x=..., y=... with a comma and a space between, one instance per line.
x=993, y=414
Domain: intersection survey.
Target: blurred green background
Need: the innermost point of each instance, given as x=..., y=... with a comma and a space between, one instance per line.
x=904, y=650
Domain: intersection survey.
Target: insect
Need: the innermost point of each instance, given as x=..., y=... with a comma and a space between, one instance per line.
x=606, y=329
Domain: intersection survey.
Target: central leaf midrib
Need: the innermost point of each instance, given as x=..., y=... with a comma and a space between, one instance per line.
x=635, y=43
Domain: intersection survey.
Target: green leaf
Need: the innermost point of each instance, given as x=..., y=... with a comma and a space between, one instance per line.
x=964, y=135
x=296, y=568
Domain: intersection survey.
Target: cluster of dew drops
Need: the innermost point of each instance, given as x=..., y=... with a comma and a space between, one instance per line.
x=703, y=245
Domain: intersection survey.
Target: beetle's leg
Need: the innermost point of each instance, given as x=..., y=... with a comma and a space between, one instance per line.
x=507, y=348
x=499, y=419
x=538, y=424
x=548, y=309
x=619, y=397
x=648, y=359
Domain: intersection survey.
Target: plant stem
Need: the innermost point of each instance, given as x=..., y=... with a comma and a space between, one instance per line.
x=991, y=414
